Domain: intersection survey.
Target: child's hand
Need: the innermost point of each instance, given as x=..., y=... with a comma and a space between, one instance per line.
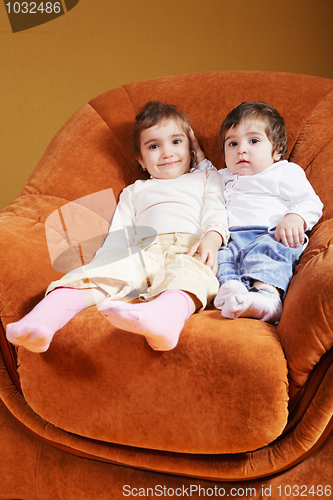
x=290, y=231
x=195, y=146
x=207, y=248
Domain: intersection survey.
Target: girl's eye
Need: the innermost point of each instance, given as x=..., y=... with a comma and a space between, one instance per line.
x=153, y=146
x=233, y=144
x=177, y=141
x=254, y=141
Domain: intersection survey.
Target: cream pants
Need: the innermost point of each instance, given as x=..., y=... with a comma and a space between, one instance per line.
x=154, y=265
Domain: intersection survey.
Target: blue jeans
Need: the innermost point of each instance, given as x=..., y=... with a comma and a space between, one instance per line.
x=254, y=254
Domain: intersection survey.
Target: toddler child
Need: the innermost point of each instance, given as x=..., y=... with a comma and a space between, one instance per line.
x=270, y=206
x=181, y=208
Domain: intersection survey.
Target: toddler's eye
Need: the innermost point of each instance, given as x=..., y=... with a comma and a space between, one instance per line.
x=177, y=141
x=254, y=141
x=233, y=144
x=153, y=146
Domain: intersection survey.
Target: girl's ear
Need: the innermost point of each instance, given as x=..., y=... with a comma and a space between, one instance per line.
x=139, y=160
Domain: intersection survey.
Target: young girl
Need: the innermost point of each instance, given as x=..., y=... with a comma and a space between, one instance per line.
x=270, y=205
x=181, y=209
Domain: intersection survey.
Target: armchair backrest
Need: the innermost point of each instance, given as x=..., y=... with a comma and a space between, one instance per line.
x=93, y=149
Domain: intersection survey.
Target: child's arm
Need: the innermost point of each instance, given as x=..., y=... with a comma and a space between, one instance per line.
x=201, y=162
x=122, y=230
x=207, y=248
x=290, y=231
x=195, y=146
x=214, y=221
x=305, y=206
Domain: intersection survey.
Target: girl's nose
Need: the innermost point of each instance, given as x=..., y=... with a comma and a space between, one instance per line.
x=166, y=153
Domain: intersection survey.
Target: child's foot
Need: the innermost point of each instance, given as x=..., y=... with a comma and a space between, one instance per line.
x=35, y=330
x=263, y=304
x=227, y=290
x=160, y=320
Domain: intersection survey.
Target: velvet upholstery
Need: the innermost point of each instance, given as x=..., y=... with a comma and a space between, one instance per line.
x=241, y=403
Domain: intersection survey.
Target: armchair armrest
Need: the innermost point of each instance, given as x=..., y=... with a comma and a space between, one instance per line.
x=306, y=324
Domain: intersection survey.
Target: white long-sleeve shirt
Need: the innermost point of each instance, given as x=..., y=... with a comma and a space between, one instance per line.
x=265, y=198
x=192, y=203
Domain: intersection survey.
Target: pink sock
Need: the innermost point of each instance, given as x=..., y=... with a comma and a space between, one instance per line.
x=35, y=330
x=160, y=320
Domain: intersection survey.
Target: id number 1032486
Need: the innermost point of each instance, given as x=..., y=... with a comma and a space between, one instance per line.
x=305, y=491
x=33, y=7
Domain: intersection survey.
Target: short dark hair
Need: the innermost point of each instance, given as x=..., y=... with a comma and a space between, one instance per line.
x=275, y=127
x=153, y=113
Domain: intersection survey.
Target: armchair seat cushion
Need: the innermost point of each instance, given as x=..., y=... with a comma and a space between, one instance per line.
x=223, y=390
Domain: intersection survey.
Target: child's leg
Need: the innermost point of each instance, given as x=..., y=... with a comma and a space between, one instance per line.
x=264, y=261
x=160, y=320
x=262, y=302
x=182, y=286
x=229, y=265
x=35, y=330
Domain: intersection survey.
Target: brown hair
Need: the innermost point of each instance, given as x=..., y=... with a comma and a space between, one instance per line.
x=153, y=113
x=275, y=127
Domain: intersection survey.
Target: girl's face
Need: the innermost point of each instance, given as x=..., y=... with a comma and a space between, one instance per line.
x=165, y=150
x=247, y=149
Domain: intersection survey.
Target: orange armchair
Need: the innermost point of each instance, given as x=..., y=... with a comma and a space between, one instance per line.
x=239, y=405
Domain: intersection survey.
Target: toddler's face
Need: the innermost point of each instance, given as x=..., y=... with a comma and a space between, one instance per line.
x=165, y=150
x=247, y=149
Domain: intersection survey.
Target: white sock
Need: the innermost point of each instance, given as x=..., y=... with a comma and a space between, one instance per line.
x=227, y=290
x=263, y=304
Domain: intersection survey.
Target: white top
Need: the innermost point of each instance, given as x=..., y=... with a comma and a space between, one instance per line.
x=192, y=203
x=264, y=199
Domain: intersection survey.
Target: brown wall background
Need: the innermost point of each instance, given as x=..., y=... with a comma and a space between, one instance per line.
x=50, y=71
